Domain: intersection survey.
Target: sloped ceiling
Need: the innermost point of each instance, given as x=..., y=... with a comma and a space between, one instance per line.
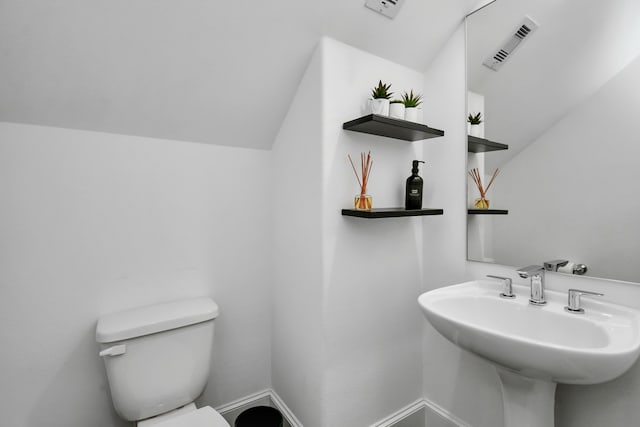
x=218, y=72
x=575, y=51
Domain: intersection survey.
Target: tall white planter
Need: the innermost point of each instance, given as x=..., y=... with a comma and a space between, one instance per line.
x=380, y=106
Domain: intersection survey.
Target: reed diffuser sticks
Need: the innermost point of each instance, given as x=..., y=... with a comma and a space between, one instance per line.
x=366, y=163
x=363, y=201
x=482, y=203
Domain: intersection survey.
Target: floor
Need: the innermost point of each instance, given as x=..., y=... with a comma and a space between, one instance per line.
x=265, y=401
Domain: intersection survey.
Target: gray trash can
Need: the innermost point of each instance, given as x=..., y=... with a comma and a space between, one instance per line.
x=260, y=416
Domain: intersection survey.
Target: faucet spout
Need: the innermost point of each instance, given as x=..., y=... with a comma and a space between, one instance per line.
x=536, y=274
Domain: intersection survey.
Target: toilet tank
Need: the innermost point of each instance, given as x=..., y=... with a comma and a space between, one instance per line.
x=157, y=357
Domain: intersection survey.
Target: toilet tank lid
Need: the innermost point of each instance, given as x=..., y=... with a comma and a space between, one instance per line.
x=155, y=318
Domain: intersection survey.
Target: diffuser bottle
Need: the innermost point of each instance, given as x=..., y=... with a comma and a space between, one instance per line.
x=413, y=190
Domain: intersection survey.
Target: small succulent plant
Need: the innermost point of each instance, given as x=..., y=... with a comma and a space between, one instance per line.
x=381, y=91
x=410, y=100
x=475, y=120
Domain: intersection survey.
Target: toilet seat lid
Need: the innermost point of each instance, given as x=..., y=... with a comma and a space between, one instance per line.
x=203, y=417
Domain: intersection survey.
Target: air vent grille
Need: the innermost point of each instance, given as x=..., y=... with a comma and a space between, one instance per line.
x=525, y=29
x=388, y=8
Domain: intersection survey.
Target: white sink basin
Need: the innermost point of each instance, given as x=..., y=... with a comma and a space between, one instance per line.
x=543, y=343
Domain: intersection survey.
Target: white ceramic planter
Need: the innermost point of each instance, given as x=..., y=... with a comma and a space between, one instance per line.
x=380, y=106
x=474, y=130
x=396, y=110
x=411, y=114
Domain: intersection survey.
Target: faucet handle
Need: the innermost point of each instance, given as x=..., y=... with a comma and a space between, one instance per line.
x=553, y=265
x=573, y=300
x=508, y=289
x=530, y=270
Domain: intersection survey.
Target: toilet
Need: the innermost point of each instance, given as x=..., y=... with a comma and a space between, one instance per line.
x=158, y=360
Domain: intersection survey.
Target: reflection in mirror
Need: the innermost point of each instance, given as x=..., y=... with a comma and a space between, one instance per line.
x=566, y=101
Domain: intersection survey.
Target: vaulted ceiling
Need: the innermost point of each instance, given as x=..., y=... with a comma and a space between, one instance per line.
x=194, y=70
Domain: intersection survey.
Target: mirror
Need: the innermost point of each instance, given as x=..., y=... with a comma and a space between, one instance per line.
x=566, y=101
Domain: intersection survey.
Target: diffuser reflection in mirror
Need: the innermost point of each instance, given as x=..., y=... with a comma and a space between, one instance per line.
x=565, y=102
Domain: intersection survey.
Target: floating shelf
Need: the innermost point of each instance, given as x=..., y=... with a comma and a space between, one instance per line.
x=487, y=211
x=393, y=128
x=481, y=145
x=391, y=212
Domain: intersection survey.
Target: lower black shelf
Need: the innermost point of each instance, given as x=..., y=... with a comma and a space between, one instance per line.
x=488, y=212
x=391, y=212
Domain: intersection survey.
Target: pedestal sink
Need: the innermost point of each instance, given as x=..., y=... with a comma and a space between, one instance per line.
x=533, y=348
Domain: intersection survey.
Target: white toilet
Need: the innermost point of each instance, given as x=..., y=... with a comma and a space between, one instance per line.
x=158, y=360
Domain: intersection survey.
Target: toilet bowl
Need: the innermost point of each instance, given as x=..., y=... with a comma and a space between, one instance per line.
x=158, y=360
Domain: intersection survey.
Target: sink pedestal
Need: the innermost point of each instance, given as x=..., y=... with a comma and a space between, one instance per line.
x=527, y=402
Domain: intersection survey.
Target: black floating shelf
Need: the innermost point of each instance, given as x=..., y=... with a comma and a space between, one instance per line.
x=393, y=128
x=488, y=212
x=391, y=212
x=481, y=145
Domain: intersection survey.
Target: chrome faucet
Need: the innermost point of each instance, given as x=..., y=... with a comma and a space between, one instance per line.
x=555, y=264
x=536, y=274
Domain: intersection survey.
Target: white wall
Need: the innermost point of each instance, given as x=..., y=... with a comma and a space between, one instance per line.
x=597, y=143
x=459, y=382
x=91, y=223
x=373, y=269
x=347, y=332
x=298, y=345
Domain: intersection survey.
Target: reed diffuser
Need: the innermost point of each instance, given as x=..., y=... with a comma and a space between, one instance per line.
x=482, y=202
x=363, y=201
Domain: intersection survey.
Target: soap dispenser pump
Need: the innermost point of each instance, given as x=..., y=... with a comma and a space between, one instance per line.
x=413, y=191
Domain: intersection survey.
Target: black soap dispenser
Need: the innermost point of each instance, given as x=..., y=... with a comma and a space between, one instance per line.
x=413, y=192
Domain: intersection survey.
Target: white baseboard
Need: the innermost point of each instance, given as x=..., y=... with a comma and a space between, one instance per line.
x=389, y=421
x=251, y=399
x=416, y=406
x=401, y=414
x=434, y=407
x=243, y=401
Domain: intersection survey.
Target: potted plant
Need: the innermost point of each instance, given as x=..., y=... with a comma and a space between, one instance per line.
x=380, y=101
x=411, y=103
x=396, y=109
x=474, y=124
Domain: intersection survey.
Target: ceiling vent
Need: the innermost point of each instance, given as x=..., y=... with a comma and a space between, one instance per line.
x=388, y=8
x=523, y=32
